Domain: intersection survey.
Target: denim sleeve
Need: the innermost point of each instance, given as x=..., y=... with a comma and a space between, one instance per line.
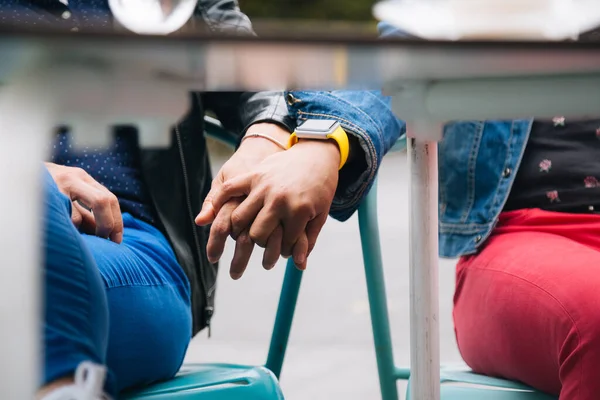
x=366, y=115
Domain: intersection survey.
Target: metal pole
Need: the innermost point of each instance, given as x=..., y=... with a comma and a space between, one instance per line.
x=371, y=249
x=284, y=317
x=424, y=299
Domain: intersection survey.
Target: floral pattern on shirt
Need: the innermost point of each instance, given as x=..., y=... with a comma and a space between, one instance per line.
x=591, y=182
x=545, y=165
x=553, y=196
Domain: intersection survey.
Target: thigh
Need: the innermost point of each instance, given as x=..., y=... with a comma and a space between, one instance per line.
x=525, y=306
x=149, y=305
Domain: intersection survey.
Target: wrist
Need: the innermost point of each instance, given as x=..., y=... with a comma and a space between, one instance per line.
x=265, y=138
x=328, y=149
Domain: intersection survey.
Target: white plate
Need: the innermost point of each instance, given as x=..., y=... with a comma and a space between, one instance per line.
x=491, y=19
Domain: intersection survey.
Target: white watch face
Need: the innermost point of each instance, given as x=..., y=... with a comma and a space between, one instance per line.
x=316, y=128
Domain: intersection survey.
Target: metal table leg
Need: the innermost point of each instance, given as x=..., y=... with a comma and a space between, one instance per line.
x=424, y=296
x=24, y=116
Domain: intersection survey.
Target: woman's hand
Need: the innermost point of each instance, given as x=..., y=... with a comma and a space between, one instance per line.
x=95, y=209
x=289, y=191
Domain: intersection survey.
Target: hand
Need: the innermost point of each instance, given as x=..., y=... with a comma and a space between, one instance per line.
x=95, y=209
x=292, y=189
x=251, y=152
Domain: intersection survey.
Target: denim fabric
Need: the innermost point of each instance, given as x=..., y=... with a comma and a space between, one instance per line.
x=124, y=305
x=366, y=115
x=478, y=160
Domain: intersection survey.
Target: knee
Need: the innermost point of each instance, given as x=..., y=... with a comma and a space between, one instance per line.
x=156, y=353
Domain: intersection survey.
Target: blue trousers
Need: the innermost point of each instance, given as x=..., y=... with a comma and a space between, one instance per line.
x=126, y=305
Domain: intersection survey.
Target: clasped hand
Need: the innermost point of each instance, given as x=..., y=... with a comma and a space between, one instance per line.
x=276, y=199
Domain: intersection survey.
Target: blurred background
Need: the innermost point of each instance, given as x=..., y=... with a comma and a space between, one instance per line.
x=311, y=17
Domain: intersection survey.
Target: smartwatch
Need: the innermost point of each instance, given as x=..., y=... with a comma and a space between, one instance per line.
x=323, y=129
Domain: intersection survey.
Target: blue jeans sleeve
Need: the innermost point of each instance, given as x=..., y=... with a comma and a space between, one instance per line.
x=368, y=116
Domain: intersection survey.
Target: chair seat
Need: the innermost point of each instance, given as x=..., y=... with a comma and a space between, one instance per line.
x=460, y=383
x=451, y=392
x=213, y=382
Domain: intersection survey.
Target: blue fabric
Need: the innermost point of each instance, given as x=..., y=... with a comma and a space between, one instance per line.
x=366, y=115
x=478, y=160
x=118, y=168
x=124, y=305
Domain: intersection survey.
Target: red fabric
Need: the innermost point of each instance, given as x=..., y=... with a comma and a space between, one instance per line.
x=527, y=306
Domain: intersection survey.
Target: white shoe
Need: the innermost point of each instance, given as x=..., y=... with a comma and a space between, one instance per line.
x=89, y=382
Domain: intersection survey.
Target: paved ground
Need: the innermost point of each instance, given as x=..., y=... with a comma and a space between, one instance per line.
x=331, y=353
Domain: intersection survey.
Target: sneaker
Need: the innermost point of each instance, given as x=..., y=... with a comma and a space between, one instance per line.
x=89, y=381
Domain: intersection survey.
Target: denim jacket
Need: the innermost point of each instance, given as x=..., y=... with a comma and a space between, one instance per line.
x=478, y=160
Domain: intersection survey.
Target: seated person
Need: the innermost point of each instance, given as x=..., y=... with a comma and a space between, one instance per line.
x=123, y=256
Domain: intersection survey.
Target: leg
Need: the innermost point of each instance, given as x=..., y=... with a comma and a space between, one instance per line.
x=424, y=299
x=75, y=307
x=149, y=305
x=527, y=308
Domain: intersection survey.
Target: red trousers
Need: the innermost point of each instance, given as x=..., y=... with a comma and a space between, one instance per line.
x=527, y=306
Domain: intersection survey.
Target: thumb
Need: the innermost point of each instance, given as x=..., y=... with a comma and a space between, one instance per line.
x=207, y=214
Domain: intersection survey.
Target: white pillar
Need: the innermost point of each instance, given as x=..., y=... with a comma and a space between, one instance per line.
x=424, y=296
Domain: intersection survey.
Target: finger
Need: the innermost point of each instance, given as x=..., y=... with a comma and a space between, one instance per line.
x=116, y=235
x=264, y=226
x=313, y=229
x=75, y=215
x=101, y=203
x=300, y=251
x=243, y=216
x=235, y=187
x=107, y=212
x=272, y=248
x=105, y=203
x=207, y=213
x=241, y=256
x=292, y=229
x=220, y=231
x=87, y=222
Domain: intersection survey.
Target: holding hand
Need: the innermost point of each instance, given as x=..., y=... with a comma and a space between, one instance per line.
x=287, y=195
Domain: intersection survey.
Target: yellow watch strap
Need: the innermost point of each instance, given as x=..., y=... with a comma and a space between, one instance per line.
x=341, y=138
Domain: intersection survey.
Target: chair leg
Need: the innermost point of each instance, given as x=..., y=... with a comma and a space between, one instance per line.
x=371, y=248
x=284, y=317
